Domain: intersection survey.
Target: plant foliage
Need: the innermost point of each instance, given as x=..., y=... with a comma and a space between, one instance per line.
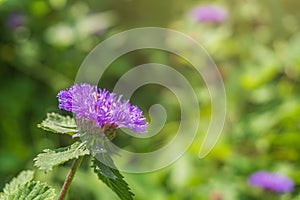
x=112, y=178
x=51, y=158
x=23, y=187
x=57, y=123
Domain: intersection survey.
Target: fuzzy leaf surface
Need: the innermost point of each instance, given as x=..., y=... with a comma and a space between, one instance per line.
x=57, y=123
x=31, y=190
x=112, y=178
x=51, y=158
x=23, y=178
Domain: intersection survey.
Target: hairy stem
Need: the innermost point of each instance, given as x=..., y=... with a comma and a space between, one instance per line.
x=69, y=178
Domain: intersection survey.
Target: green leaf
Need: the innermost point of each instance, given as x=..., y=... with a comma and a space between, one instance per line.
x=51, y=158
x=57, y=123
x=23, y=188
x=112, y=178
x=31, y=190
x=23, y=178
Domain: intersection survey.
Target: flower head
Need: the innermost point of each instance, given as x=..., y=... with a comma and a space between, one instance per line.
x=271, y=181
x=209, y=13
x=106, y=110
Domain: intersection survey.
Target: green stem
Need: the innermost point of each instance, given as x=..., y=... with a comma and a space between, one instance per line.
x=69, y=178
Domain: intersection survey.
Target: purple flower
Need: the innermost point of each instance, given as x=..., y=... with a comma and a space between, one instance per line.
x=15, y=20
x=104, y=109
x=271, y=181
x=209, y=13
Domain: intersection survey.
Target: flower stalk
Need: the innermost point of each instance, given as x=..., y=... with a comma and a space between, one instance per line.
x=69, y=178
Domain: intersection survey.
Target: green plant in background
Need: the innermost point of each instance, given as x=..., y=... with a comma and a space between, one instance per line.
x=98, y=114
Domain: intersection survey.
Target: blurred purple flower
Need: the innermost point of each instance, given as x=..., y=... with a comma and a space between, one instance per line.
x=14, y=20
x=271, y=181
x=209, y=13
x=103, y=108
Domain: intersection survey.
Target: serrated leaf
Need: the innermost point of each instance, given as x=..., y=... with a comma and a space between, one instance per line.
x=31, y=190
x=57, y=123
x=23, y=178
x=112, y=178
x=51, y=158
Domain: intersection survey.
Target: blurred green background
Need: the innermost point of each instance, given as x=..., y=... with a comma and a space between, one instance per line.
x=257, y=50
